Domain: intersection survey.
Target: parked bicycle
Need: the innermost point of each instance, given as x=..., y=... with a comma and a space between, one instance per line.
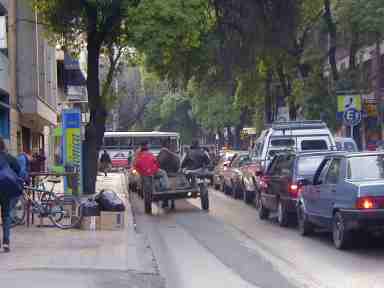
x=64, y=211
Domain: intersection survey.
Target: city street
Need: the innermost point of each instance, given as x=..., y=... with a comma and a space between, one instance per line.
x=231, y=247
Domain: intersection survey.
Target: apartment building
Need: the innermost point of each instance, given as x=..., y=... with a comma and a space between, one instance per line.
x=28, y=80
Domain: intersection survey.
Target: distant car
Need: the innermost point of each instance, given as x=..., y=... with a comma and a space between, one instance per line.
x=346, y=195
x=346, y=144
x=281, y=183
x=232, y=175
x=251, y=177
x=218, y=173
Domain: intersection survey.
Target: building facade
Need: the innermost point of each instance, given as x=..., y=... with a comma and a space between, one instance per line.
x=28, y=80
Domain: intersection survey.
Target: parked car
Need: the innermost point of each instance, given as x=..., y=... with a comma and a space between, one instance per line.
x=346, y=195
x=346, y=144
x=298, y=136
x=218, y=173
x=251, y=176
x=281, y=183
x=232, y=175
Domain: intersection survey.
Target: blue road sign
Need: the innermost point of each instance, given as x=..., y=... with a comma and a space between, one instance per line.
x=352, y=117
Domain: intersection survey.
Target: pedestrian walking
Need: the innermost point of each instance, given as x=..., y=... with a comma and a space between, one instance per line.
x=24, y=161
x=11, y=189
x=105, y=162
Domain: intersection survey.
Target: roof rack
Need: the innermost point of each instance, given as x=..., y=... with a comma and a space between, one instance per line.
x=307, y=124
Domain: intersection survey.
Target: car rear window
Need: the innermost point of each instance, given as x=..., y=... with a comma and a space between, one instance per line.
x=308, y=165
x=282, y=142
x=314, y=145
x=370, y=167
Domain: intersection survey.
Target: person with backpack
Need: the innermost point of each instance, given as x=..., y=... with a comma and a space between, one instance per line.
x=24, y=161
x=11, y=189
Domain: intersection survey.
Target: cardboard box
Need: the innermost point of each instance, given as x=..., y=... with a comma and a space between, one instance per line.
x=112, y=220
x=90, y=223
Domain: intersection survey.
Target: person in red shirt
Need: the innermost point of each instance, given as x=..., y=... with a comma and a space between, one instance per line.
x=146, y=164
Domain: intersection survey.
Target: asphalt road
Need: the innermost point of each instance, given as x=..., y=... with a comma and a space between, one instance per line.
x=231, y=247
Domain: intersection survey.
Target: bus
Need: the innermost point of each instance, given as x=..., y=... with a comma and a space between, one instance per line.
x=122, y=145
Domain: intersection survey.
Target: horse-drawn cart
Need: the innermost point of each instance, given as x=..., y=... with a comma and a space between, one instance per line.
x=190, y=184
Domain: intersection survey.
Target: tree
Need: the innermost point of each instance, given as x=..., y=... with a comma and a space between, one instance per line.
x=101, y=24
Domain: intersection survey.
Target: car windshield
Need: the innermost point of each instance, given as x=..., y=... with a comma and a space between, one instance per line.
x=308, y=165
x=366, y=167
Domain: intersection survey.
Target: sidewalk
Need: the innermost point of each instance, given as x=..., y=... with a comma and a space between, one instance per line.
x=78, y=259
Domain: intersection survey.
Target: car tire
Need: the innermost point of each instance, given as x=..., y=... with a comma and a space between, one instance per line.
x=282, y=215
x=340, y=235
x=263, y=212
x=304, y=226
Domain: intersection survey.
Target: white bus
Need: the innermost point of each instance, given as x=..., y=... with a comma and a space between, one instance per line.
x=121, y=145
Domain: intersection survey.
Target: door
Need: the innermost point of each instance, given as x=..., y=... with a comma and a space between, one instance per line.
x=328, y=189
x=311, y=193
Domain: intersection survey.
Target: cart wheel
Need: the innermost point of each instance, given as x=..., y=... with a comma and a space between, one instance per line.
x=204, y=198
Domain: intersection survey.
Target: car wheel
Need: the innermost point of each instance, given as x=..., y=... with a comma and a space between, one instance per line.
x=341, y=236
x=282, y=215
x=263, y=212
x=305, y=227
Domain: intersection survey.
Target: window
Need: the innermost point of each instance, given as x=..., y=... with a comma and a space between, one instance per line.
x=349, y=146
x=282, y=142
x=283, y=166
x=307, y=166
x=244, y=160
x=366, y=167
x=314, y=145
x=333, y=173
x=4, y=122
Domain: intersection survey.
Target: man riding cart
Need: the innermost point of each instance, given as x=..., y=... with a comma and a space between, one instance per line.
x=162, y=181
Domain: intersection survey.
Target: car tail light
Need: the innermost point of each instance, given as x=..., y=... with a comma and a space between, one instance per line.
x=370, y=203
x=293, y=189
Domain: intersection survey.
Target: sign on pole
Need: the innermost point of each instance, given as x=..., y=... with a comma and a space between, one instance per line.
x=352, y=117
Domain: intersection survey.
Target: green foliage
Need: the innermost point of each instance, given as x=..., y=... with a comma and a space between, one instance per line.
x=170, y=34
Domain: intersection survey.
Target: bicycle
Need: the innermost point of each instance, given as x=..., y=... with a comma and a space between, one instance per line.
x=18, y=212
x=64, y=211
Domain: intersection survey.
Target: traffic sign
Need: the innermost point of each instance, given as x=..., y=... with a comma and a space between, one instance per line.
x=352, y=117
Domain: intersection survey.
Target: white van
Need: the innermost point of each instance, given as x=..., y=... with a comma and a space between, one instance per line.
x=294, y=135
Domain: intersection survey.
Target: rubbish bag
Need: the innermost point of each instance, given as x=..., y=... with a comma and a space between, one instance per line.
x=109, y=201
x=90, y=208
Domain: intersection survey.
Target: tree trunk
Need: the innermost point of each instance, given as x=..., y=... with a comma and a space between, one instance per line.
x=95, y=129
x=353, y=50
x=377, y=86
x=268, y=99
x=332, y=38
